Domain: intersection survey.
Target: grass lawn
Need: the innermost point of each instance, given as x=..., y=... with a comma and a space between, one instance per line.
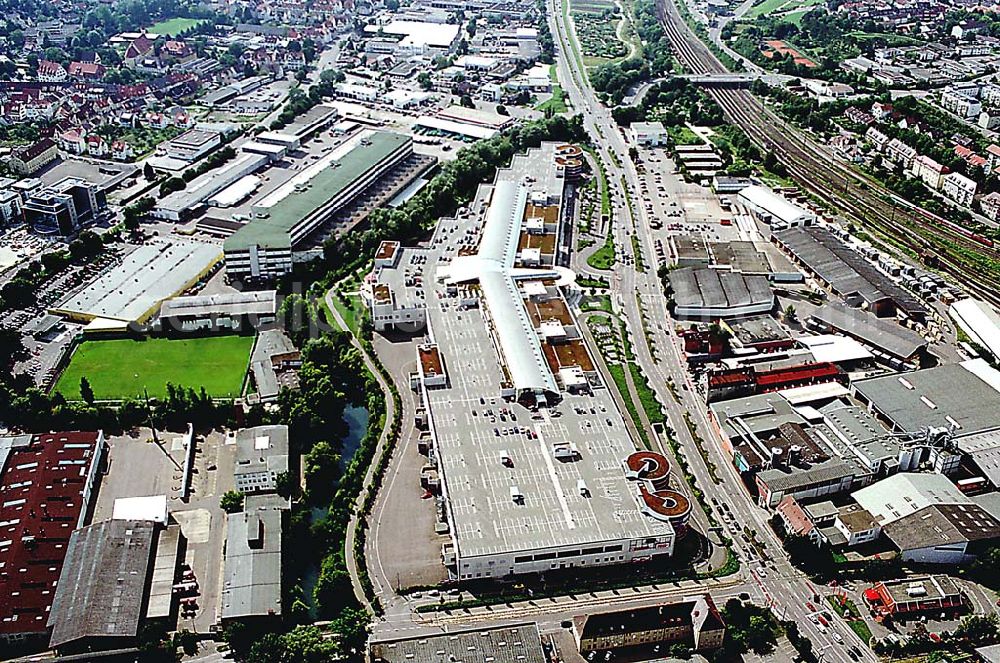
x=684, y=136
x=604, y=257
x=351, y=314
x=861, y=628
x=768, y=7
x=557, y=102
x=174, y=26
x=120, y=368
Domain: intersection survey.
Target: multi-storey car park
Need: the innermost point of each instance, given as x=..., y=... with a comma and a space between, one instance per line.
x=537, y=469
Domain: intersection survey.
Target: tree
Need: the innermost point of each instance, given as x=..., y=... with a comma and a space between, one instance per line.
x=502, y=110
x=231, y=501
x=790, y=315
x=466, y=101
x=322, y=469
x=392, y=5
x=148, y=172
x=978, y=629
x=86, y=392
x=424, y=80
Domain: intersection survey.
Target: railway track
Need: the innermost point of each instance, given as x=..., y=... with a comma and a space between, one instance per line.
x=904, y=225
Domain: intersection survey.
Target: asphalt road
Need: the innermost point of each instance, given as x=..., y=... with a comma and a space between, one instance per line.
x=782, y=585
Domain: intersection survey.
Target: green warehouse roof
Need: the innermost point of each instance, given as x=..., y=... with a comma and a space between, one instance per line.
x=274, y=230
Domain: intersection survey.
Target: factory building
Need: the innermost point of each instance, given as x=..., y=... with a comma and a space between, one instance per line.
x=263, y=248
x=846, y=273
x=514, y=643
x=709, y=294
x=773, y=209
x=49, y=485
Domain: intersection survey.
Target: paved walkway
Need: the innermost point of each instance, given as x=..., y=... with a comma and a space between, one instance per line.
x=383, y=440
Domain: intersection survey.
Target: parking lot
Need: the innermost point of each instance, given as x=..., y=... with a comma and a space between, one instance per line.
x=202, y=521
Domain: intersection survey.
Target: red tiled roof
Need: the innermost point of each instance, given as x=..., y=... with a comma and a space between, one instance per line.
x=42, y=486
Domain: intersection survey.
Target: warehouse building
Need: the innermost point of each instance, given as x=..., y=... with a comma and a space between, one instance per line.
x=513, y=643
x=132, y=291
x=963, y=398
x=252, y=565
x=694, y=622
x=773, y=209
x=980, y=321
x=193, y=145
x=648, y=134
x=263, y=248
x=183, y=204
x=846, y=273
x=103, y=591
x=509, y=344
x=891, y=344
x=231, y=311
x=708, y=294
x=49, y=485
x=928, y=519
x=395, y=294
x=273, y=365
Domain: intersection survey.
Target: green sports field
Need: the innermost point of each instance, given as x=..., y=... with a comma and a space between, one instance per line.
x=121, y=368
x=174, y=26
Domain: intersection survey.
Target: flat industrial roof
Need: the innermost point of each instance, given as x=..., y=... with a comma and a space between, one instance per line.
x=477, y=485
x=773, y=204
x=419, y=33
x=132, y=290
x=252, y=567
x=455, y=127
x=980, y=321
x=103, y=582
x=714, y=288
x=251, y=302
x=943, y=396
x=901, y=494
x=286, y=213
x=883, y=335
x=515, y=643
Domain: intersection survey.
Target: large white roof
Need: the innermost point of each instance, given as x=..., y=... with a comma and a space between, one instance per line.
x=777, y=206
x=493, y=268
x=902, y=494
x=980, y=321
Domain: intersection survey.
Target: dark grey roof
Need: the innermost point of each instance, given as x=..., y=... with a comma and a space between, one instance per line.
x=941, y=525
x=883, y=335
x=931, y=396
x=252, y=575
x=517, y=643
x=102, y=586
x=847, y=271
x=713, y=288
x=791, y=480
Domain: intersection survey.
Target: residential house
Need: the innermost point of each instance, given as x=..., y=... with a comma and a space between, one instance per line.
x=858, y=116
x=87, y=70
x=27, y=160
x=138, y=49
x=929, y=171
x=72, y=141
x=51, y=72
x=878, y=139
x=991, y=205
x=881, y=112
x=899, y=152
x=959, y=188
x=97, y=146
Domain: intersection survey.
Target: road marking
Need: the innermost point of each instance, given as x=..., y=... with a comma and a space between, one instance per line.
x=555, y=479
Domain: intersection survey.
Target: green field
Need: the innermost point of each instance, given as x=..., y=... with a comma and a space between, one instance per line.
x=768, y=7
x=175, y=26
x=121, y=368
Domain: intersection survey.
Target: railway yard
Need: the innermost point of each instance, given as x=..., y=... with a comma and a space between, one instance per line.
x=902, y=225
